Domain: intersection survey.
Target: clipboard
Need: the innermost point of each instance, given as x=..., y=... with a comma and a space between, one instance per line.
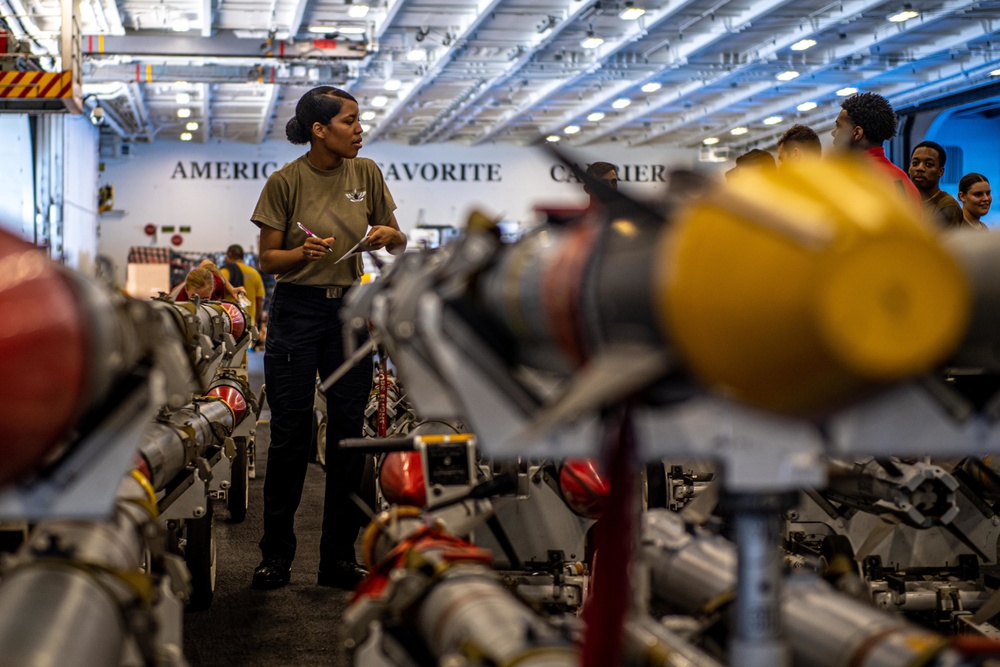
x=360, y=246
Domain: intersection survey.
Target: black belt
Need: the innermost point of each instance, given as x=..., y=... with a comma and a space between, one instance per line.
x=314, y=291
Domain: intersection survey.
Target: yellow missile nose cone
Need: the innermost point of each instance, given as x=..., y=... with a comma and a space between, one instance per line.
x=797, y=290
x=892, y=308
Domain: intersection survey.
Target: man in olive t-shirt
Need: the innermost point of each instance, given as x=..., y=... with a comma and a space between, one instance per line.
x=926, y=170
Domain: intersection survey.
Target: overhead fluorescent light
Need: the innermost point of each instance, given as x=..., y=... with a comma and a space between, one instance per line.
x=393, y=84
x=368, y=115
x=621, y=103
x=710, y=141
x=631, y=13
x=380, y=101
x=365, y=127
x=803, y=44
x=186, y=136
x=596, y=116
x=736, y=131
x=845, y=92
x=788, y=75
x=902, y=16
x=995, y=72
x=183, y=112
x=571, y=129
x=553, y=138
x=183, y=98
x=651, y=87
x=772, y=120
x=192, y=126
x=321, y=29
x=357, y=11
x=416, y=54
x=591, y=41
x=806, y=106
x=352, y=29
x=180, y=24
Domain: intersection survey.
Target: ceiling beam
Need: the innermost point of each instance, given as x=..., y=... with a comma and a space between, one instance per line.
x=536, y=44
x=760, y=53
x=268, y=110
x=207, y=18
x=860, y=45
x=485, y=10
x=635, y=32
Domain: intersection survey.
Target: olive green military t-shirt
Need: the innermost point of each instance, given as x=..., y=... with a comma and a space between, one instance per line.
x=354, y=193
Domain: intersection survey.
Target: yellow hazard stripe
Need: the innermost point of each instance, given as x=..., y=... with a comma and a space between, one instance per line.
x=36, y=85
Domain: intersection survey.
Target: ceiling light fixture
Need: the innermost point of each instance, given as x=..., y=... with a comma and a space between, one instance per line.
x=844, y=92
x=416, y=54
x=995, y=72
x=571, y=129
x=321, y=29
x=180, y=24
x=553, y=138
x=737, y=131
x=788, y=75
x=365, y=127
x=806, y=106
x=803, y=44
x=596, y=116
x=710, y=141
x=183, y=112
x=351, y=29
x=591, y=41
x=905, y=15
x=631, y=12
x=651, y=87
x=379, y=101
x=192, y=126
x=368, y=115
x=621, y=103
x=357, y=11
x=186, y=136
x=772, y=120
x=393, y=84
x=183, y=98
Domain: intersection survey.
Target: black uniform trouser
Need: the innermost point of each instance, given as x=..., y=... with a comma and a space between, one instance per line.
x=304, y=335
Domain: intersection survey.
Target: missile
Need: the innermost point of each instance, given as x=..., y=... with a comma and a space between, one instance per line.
x=696, y=574
x=461, y=607
x=921, y=494
x=792, y=292
x=69, y=345
x=66, y=344
x=65, y=597
x=176, y=439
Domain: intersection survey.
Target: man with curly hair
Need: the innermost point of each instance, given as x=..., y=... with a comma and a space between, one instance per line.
x=866, y=121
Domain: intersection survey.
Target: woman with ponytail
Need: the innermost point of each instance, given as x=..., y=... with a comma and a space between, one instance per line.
x=339, y=198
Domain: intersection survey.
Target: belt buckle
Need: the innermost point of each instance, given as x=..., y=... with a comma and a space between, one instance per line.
x=334, y=292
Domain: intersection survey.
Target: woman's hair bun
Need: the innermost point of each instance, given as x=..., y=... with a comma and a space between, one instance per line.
x=295, y=132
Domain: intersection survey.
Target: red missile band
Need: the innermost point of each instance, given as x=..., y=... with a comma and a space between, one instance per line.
x=232, y=397
x=44, y=352
x=402, y=479
x=561, y=292
x=583, y=488
x=237, y=318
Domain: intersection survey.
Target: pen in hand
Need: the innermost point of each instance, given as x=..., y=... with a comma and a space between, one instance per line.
x=303, y=228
